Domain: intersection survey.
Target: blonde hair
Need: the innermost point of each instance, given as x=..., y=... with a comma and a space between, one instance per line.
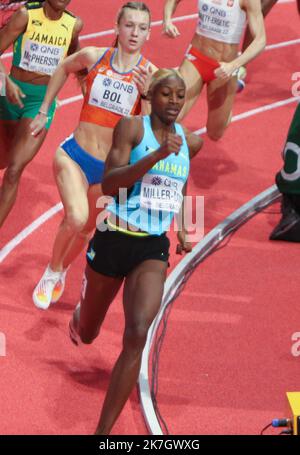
x=160, y=75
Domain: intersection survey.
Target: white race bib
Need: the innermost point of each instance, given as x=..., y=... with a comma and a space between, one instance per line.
x=41, y=58
x=113, y=95
x=159, y=192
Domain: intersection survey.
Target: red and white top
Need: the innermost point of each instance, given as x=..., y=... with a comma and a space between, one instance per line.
x=110, y=95
x=221, y=20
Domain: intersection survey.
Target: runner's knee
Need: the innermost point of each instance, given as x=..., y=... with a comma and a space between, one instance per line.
x=13, y=173
x=76, y=220
x=135, y=337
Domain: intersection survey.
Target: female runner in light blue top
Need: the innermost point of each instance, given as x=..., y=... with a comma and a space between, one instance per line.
x=149, y=159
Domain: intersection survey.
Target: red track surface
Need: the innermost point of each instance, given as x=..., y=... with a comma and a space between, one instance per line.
x=226, y=361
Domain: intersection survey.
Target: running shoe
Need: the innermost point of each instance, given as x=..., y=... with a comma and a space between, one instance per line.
x=59, y=287
x=240, y=85
x=241, y=76
x=42, y=294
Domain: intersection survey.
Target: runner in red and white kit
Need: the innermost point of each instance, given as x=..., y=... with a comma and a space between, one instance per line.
x=212, y=57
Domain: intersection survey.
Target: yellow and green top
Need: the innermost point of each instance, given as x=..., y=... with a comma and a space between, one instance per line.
x=45, y=42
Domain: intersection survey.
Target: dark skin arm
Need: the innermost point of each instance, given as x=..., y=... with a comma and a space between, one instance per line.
x=183, y=245
x=194, y=142
x=8, y=34
x=15, y=26
x=120, y=174
x=74, y=45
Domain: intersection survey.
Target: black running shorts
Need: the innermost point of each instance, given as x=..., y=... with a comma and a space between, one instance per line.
x=116, y=254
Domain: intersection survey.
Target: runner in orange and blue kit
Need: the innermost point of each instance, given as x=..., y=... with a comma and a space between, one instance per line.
x=114, y=87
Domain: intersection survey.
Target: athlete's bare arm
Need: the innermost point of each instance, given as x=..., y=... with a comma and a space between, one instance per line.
x=169, y=9
x=8, y=34
x=74, y=45
x=194, y=142
x=257, y=28
x=15, y=26
x=142, y=77
x=85, y=58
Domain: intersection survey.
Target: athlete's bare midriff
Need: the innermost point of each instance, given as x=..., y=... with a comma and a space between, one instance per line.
x=94, y=139
x=222, y=52
x=29, y=76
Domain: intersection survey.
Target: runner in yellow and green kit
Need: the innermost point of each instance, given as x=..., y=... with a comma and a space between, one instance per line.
x=42, y=34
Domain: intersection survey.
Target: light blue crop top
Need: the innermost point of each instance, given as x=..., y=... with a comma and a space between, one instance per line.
x=153, y=200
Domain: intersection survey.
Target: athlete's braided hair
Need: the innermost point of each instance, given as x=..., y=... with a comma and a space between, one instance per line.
x=138, y=6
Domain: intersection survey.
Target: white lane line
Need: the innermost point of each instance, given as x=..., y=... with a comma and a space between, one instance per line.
x=112, y=31
x=258, y=110
x=73, y=99
x=270, y=47
x=10, y=246
x=175, y=19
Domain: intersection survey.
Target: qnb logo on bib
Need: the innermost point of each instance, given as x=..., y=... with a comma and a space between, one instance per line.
x=156, y=181
x=159, y=192
x=34, y=47
x=41, y=58
x=107, y=82
x=113, y=95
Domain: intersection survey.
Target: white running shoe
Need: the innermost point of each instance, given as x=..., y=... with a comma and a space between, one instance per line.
x=59, y=287
x=42, y=294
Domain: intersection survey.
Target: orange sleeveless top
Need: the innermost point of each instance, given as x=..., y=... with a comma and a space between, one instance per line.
x=110, y=95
